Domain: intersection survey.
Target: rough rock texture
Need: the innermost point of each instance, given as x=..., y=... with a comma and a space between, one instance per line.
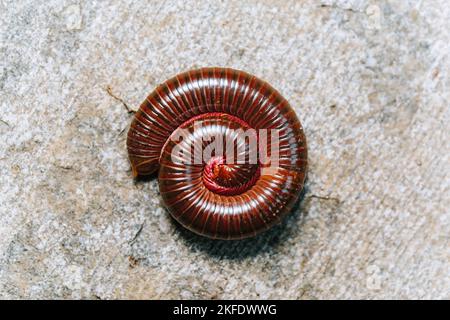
x=370, y=81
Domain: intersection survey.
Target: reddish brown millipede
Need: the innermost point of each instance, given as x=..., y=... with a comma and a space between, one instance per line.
x=217, y=198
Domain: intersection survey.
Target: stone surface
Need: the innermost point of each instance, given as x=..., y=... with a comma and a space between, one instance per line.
x=370, y=81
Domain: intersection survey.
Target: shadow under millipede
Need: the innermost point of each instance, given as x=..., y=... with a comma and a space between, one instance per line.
x=144, y=179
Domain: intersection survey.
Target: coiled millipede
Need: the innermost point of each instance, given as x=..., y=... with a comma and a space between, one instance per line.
x=220, y=197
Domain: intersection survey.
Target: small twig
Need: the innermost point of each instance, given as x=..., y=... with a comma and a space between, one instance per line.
x=332, y=6
x=325, y=198
x=129, y=110
x=4, y=122
x=122, y=131
x=132, y=241
x=65, y=167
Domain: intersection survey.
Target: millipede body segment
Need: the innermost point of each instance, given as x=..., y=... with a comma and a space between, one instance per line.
x=221, y=196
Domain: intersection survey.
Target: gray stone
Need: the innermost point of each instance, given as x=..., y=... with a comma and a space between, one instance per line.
x=370, y=81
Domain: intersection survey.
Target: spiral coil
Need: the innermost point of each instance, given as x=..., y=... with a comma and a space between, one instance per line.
x=219, y=197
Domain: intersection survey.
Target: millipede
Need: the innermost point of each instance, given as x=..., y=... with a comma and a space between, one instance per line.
x=217, y=197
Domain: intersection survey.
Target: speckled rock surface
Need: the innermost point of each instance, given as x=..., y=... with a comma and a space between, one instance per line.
x=370, y=81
